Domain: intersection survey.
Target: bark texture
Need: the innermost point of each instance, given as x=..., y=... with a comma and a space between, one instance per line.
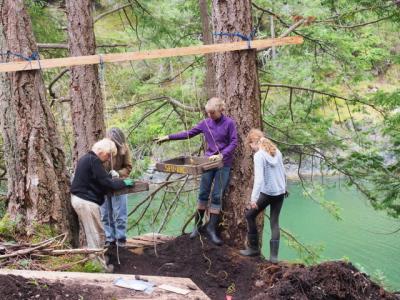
x=209, y=84
x=237, y=83
x=38, y=185
x=87, y=106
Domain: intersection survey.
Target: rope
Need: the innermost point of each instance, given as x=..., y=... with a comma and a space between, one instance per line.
x=33, y=56
x=184, y=113
x=102, y=80
x=244, y=37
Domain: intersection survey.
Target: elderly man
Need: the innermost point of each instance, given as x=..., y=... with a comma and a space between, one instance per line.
x=89, y=186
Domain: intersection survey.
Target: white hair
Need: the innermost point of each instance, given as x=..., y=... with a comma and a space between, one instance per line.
x=215, y=104
x=105, y=146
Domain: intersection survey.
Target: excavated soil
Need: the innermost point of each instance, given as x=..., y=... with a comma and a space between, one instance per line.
x=220, y=270
x=17, y=287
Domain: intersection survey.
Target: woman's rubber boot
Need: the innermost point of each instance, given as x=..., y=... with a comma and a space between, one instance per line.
x=198, y=221
x=252, y=247
x=211, y=230
x=273, y=250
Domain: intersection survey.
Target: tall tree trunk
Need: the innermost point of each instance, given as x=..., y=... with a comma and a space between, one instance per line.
x=209, y=84
x=237, y=84
x=38, y=185
x=87, y=102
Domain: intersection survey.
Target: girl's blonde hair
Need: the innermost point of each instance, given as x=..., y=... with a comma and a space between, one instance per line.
x=268, y=146
x=256, y=135
x=106, y=146
x=215, y=104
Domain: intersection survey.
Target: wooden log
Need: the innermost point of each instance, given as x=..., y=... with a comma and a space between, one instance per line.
x=72, y=251
x=106, y=282
x=141, y=55
x=26, y=251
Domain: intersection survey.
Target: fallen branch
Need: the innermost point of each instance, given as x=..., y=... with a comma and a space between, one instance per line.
x=26, y=251
x=72, y=251
x=68, y=266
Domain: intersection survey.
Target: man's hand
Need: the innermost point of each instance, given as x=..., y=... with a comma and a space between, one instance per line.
x=161, y=139
x=128, y=182
x=215, y=157
x=286, y=194
x=114, y=174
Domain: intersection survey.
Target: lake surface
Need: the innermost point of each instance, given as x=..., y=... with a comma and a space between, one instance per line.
x=360, y=236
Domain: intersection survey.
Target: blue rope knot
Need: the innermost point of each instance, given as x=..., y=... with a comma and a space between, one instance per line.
x=33, y=56
x=246, y=38
x=30, y=58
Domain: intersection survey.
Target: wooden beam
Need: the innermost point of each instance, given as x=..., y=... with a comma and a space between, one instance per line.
x=141, y=55
x=105, y=281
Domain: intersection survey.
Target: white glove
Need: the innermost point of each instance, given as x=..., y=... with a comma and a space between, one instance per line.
x=114, y=174
x=161, y=139
x=215, y=157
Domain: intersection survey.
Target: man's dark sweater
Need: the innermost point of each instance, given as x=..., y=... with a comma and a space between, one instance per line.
x=91, y=181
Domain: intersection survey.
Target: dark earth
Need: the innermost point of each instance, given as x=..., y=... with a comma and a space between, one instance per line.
x=221, y=270
x=218, y=271
x=17, y=287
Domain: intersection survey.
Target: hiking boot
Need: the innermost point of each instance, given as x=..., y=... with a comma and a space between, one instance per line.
x=198, y=221
x=109, y=269
x=106, y=259
x=121, y=243
x=109, y=244
x=252, y=247
x=273, y=250
x=211, y=230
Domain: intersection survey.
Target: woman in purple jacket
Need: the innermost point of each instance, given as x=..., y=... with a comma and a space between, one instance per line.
x=221, y=138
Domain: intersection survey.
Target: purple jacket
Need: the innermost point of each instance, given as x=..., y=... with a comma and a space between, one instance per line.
x=220, y=134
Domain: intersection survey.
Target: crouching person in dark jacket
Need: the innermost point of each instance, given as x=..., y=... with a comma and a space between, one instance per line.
x=89, y=186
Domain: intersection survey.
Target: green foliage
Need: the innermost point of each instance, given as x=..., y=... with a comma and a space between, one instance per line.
x=43, y=232
x=307, y=254
x=377, y=275
x=316, y=193
x=3, y=207
x=93, y=266
x=46, y=27
x=8, y=228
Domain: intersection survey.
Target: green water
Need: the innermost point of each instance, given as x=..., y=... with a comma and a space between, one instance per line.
x=358, y=236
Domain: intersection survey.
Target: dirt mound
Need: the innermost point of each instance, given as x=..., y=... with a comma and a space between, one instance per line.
x=330, y=280
x=214, y=269
x=221, y=270
x=17, y=287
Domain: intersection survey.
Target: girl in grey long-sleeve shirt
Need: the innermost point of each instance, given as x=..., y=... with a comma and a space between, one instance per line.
x=269, y=188
x=269, y=174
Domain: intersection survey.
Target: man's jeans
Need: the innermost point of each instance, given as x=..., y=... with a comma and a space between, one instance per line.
x=114, y=217
x=220, y=177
